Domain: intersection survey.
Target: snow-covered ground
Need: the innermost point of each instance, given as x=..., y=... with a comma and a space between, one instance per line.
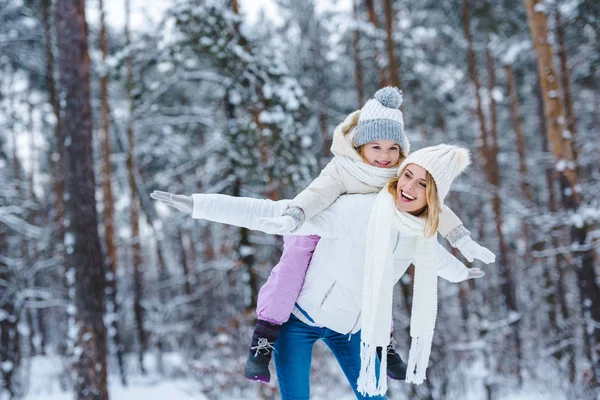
x=44, y=383
x=44, y=379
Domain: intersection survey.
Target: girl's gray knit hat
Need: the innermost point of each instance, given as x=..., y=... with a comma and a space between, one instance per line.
x=381, y=119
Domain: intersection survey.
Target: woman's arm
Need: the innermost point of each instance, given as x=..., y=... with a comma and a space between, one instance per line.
x=449, y=267
x=448, y=223
x=453, y=230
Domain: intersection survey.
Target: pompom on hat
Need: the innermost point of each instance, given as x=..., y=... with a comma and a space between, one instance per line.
x=444, y=162
x=381, y=119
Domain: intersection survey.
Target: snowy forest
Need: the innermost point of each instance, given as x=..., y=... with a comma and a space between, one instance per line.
x=107, y=294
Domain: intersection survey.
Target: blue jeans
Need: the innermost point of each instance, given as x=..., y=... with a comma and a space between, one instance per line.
x=294, y=353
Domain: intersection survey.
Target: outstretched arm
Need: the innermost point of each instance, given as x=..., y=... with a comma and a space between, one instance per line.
x=451, y=269
x=453, y=230
x=244, y=212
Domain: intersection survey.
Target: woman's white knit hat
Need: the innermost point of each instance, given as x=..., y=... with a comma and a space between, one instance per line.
x=381, y=119
x=444, y=162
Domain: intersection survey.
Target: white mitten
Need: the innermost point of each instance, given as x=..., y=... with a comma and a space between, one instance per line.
x=475, y=273
x=280, y=225
x=180, y=202
x=472, y=250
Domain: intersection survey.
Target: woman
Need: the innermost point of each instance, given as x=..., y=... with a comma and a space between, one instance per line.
x=389, y=231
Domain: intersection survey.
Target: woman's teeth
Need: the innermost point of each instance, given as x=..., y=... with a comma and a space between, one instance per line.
x=407, y=196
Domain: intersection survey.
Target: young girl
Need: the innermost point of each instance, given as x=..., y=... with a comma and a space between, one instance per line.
x=367, y=243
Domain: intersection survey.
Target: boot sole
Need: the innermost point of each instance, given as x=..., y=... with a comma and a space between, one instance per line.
x=258, y=378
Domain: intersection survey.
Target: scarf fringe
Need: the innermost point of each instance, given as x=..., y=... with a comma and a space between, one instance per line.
x=418, y=358
x=367, y=383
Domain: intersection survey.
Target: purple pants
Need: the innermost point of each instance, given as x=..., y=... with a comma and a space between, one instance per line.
x=278, y=295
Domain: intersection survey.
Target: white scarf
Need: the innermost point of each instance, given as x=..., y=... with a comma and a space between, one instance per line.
x=377, y=295
x=366, y=173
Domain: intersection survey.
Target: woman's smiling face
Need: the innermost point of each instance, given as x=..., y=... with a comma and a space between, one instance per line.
x=411, y=189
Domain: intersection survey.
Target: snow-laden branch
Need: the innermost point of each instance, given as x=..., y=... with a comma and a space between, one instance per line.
x=178, y=77
x=8, y=218
x=573, y=248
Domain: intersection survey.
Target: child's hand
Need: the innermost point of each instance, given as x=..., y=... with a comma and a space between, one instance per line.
x=471, y=250
x=475, y=273
x=180, y=202
x=280, y=225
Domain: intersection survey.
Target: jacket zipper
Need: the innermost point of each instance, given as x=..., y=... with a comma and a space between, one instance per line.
x=327, y=294
x=354, y=326
x=396, y=245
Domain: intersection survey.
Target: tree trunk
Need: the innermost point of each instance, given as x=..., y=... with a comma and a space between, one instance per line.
x=383, y=81
x=57, y=158
x=391, y=54
x=565, y=81
x=109, y=207
x=522, y=153
x=233, y=4
x=35, y=316
x=508, y=281
x=134, y=215
x=472, y=64
x=521, y=144
x=56, y=162
x=321, y=93
x=358, y=74
x=566, y=162
x=163, y=278
x=10, y=338
x=185, y=262
x=83, y=240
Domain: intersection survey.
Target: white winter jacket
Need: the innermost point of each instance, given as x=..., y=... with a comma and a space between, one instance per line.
x=335, y=180
x=332, y=291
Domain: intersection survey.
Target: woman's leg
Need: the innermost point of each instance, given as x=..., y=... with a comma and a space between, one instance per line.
x=278, y=295
x=347, y=352
x=293, y=355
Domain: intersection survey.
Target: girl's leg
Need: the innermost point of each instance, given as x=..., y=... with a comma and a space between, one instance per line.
x=293, y=355
x=278, y=295
x=264, y=337
x=276, y=301
x=347, y=352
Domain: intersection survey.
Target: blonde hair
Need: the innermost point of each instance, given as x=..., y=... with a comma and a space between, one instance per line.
x=431, y=211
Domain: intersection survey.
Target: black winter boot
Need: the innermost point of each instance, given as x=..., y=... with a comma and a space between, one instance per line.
x=396, y=368
x=261, y=350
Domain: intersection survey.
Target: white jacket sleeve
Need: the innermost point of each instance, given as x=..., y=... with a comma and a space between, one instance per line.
x=448, y=221
x=451, y=227
x=449, y=267
x=321, y=192
x=247, y=212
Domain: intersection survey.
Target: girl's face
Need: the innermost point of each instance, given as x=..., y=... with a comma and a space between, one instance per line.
x=411, y=189
x=381, y=153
